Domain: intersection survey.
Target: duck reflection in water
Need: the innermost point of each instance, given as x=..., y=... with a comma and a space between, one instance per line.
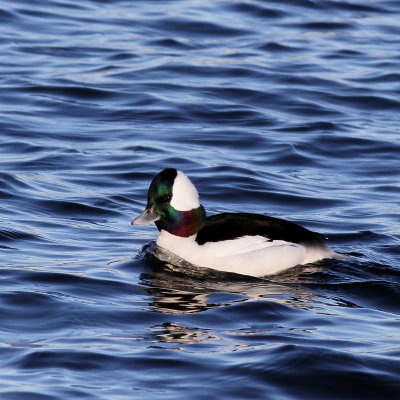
x=179, y=289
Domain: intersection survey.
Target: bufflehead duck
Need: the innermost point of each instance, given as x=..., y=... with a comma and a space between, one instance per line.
x=244, y=243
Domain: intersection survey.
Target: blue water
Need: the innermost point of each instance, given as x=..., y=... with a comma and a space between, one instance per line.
x=287, y=108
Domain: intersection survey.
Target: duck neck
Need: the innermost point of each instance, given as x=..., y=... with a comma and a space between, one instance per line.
x=183, y=223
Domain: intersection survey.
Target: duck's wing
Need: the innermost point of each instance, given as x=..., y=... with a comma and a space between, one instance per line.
x=228, y=226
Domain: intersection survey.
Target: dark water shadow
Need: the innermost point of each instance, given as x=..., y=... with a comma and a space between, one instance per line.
x=182, y=288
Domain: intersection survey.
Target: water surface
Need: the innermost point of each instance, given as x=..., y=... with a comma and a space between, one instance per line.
x=285, y=108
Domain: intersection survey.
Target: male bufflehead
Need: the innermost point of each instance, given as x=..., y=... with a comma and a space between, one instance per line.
x=244, y=243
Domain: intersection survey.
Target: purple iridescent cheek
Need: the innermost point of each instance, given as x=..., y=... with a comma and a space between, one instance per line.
x=184, y=223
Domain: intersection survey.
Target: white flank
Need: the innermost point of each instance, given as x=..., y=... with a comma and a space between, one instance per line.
x=248, y=255
x=184, y=194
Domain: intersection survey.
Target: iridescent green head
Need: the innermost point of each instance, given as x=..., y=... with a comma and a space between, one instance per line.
x=173, y=204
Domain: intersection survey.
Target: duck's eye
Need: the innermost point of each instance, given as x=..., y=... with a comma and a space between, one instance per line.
x=165, y=199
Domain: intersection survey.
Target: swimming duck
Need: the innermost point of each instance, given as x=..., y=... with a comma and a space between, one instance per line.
x=244, y=243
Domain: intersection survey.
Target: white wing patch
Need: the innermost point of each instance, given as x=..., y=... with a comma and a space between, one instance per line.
x=242, y=245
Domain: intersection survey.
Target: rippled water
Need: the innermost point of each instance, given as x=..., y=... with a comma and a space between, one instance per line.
x=288, y=108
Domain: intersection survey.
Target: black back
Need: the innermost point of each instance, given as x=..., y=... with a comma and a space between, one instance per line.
x=228, y=226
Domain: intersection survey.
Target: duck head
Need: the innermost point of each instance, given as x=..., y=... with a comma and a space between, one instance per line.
x=173, y=204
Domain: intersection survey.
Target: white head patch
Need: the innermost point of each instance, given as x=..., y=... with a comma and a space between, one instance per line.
x=184, y=194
